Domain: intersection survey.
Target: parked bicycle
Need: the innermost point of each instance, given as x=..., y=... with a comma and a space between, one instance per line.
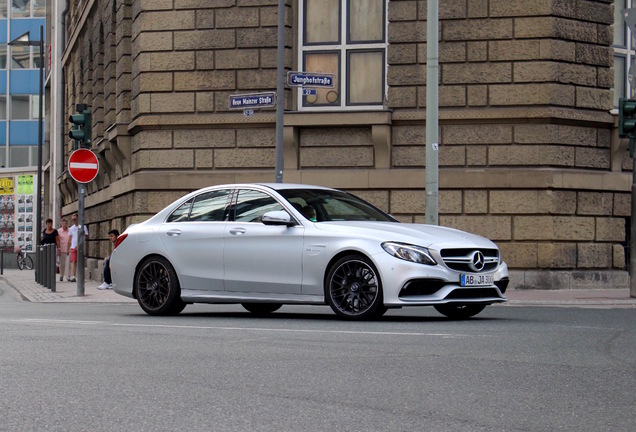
x=24, y=260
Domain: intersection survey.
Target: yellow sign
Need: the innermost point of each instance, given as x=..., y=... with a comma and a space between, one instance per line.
x=6, y=186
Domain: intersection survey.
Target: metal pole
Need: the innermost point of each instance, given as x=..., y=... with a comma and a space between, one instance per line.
x=432, y=113
x=280, y=91
x=632, y=241
x=38, y=217
x=80, y=242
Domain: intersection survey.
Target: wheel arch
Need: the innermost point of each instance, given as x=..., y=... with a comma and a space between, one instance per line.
x=344, y=253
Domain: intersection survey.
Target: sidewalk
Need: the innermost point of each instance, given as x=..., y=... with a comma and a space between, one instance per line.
x=23, y=281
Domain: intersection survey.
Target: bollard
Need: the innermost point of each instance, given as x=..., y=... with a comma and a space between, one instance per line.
x=52, y=266
x=47, y=265
x=38, y=264
x=41, y=263
x=45, y=260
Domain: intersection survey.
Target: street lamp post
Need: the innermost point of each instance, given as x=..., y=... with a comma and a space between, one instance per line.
x=25, y=40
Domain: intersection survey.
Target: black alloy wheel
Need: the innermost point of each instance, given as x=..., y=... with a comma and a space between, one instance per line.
x=157, y=287
x=353, y=288
x=459, y=311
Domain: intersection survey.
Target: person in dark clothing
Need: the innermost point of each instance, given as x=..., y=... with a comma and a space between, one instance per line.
x=50, y=235
x=108, y=282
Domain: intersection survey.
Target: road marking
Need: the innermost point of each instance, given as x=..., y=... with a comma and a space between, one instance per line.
x=255, y=329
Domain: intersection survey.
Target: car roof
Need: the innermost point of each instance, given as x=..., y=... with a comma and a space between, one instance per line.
x=282, y=186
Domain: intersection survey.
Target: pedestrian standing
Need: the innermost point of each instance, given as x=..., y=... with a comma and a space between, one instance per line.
x=50, y=235
x=73, y=234
x=65, y=246
x=108, y=282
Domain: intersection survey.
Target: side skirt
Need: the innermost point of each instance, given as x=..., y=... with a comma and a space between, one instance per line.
x=201, y=296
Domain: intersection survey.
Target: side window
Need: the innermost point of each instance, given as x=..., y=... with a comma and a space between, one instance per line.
x=181, y=213
x=252, y=205
x=210, y=206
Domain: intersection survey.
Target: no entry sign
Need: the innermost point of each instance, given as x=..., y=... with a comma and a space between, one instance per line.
x=83, y=166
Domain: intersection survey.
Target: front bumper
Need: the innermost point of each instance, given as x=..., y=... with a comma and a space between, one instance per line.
x=411, y=284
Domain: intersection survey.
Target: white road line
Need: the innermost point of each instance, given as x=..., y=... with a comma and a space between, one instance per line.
x=253, y=329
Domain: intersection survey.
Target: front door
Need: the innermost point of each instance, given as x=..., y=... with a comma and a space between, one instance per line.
x=261, y=258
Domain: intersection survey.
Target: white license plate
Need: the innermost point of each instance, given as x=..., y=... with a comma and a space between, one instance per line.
x=477, y=279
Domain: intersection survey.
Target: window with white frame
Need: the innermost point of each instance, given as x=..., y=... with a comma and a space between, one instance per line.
x=25, y=107
x=624, y=53
x=22, y=57
x=28, y=8
x=346, y=38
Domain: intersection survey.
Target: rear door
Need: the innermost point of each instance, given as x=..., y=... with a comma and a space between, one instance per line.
x=261, y=258
x=193, y=238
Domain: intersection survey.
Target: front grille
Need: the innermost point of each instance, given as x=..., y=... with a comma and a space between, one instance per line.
x=461, y=259
x=422, y=287
x=472, y=293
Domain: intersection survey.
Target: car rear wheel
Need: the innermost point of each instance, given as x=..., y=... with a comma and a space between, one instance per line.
x=157, y=287
x=353, y=288
x=261, y=308
x=459, y=312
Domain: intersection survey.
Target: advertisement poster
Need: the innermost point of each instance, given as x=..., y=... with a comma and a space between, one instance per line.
x=7, y=213
x=17, y=213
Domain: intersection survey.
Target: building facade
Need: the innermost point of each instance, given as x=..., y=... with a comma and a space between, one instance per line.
x=528, y=152
x=19, y=116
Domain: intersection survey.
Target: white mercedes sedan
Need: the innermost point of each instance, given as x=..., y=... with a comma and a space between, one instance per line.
x=266, y=245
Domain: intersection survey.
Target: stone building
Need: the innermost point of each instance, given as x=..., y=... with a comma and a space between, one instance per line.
x=529, y=155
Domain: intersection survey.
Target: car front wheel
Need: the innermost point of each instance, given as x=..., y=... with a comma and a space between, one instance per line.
x=459, y=312
x=157, y=287
x=353, y=288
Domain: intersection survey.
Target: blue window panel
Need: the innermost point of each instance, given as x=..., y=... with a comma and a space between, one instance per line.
x=3, y=31
x=19, y=26
x=3, y=82
x=25, y=81
x=23, y=132
x=3, y=133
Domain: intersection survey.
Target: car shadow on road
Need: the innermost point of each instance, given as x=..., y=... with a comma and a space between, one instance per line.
x=315, y=316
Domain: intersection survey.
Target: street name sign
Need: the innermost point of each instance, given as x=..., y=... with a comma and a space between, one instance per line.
x=253, y=100
x=310, y=79
x=83, y=166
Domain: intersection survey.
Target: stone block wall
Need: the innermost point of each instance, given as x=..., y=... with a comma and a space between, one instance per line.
x=526, y=137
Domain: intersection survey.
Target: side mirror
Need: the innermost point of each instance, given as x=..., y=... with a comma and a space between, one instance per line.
x=278, y=218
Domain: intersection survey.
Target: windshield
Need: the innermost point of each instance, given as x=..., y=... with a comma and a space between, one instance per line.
x=325, y=205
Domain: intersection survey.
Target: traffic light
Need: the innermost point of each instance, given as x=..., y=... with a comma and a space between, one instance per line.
x=81, y=126
x=626, y=118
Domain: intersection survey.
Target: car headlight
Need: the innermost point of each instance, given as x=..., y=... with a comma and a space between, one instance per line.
x=407, y=252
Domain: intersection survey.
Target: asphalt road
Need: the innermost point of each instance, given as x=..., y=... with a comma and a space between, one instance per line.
x=110, y=367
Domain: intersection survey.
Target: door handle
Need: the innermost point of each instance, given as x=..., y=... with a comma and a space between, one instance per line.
x=237, y=231
x=174, y=232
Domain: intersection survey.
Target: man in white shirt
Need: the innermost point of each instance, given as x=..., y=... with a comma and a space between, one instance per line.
x=73, y=236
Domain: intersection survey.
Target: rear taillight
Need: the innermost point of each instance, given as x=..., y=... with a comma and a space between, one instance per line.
x=120, y=239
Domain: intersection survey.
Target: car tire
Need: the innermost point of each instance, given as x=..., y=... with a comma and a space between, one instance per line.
x=459, y=311
x=157, y=287
x=262, y=308
x=353, y=288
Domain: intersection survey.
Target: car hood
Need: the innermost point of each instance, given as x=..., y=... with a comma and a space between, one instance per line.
x=420, y=234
